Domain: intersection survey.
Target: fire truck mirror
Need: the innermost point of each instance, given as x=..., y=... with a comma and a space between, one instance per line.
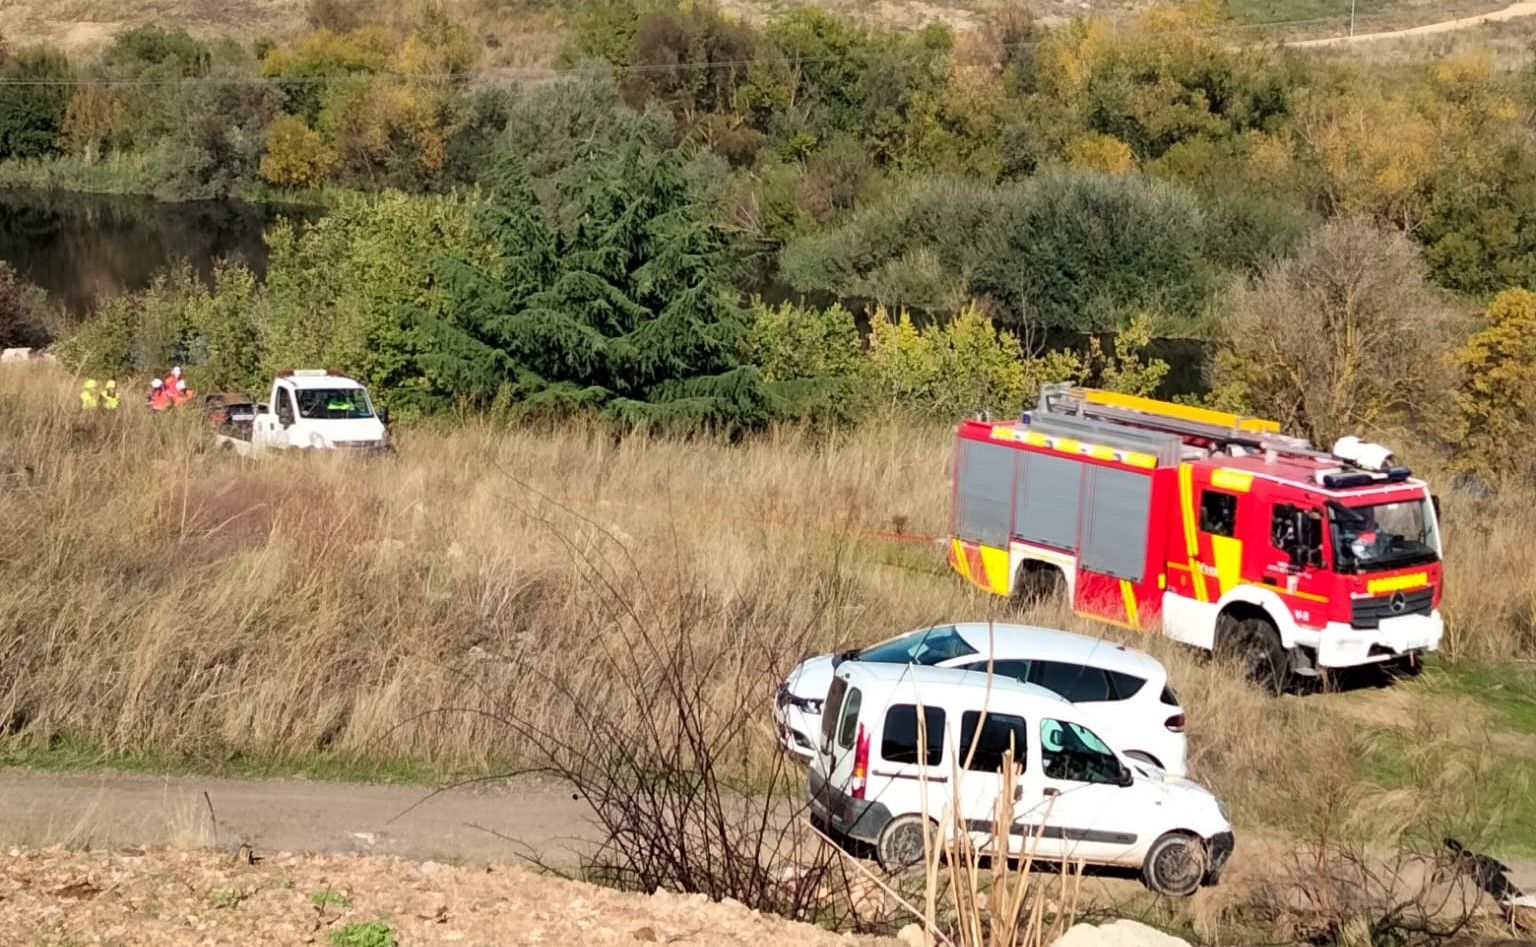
x=1434, y=501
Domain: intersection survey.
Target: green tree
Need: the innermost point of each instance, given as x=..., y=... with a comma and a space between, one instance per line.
x=351, y=290
x=1085, y=251
x=34, y=98
x=623, y=304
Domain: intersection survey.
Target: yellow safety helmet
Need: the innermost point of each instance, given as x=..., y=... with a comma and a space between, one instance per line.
x=111, y=383
x=90, y=383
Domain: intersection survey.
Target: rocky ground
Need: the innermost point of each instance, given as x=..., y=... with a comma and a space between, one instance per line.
x=169, y=898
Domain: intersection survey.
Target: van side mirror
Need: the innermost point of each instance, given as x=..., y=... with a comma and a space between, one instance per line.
x=263, y=408
x=1126, y=777
x=383, y=415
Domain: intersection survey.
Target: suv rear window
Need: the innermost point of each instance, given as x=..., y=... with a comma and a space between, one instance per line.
x=1169, y=697
x=929, y=646
x=984, y=752
x=1077, y=682
x=899, y=743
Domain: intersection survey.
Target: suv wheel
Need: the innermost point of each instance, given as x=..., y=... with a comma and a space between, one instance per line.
x=1175, y=865
x=902, y=845
x=1255, y=645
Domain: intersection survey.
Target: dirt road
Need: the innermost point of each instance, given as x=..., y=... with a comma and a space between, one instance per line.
x=107, y=809
x=1514, y=11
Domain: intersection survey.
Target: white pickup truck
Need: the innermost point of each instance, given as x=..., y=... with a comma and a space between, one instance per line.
x=308, y=409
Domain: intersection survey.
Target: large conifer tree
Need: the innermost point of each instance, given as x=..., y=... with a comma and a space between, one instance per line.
x=618, y=300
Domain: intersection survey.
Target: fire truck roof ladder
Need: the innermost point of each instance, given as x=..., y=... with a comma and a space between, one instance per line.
x=1186, y=421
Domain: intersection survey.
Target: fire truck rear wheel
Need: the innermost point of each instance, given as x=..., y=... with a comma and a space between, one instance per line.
x=1255, y=645
x=1038, y=584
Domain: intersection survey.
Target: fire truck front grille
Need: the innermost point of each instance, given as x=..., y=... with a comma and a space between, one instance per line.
x=1368, y=612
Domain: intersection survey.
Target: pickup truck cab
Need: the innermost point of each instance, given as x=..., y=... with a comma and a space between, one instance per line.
x=311, y=409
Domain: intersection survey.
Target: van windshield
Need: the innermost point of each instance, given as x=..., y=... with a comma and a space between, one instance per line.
x=334, y=404
x=927, y=647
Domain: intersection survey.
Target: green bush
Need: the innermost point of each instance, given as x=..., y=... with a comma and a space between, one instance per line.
x=34, y=96
x=812, y=358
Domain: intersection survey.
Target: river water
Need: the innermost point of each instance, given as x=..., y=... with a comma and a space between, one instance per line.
x=83, y=248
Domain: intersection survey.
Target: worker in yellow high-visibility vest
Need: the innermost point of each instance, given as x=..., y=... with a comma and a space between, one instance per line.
x=109, y=395
x=88, y=400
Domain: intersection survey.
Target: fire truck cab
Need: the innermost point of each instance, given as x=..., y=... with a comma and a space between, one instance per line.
x=1211, y=527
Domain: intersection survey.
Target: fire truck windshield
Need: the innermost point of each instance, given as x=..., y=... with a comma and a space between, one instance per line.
x=1383, y=536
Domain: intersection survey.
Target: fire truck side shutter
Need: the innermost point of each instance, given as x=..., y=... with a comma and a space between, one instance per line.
x=985, y=493
x=1046, y=504
x=1115, y=523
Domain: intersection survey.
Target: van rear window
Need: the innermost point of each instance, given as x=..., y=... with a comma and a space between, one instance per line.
x=831, y=711
x=900, y=743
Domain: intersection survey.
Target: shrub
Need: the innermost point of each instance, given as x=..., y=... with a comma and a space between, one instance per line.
x=1496, y=394
x=1340, y=338
x=1084, y=251
x=216, y=150
x=34, y=97
x=812, y=357
x=296, y=156
x=962, y=367
x=24, y=313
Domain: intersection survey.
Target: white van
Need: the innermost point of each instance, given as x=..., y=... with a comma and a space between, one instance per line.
x=1126, y=689
x=1077, y=799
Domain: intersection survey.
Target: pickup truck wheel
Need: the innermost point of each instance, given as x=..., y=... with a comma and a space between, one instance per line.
x=1175, y=865
x=901, y=845
x=1255, y=645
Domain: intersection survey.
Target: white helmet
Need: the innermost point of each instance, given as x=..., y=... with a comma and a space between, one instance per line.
x=176, y=371
x=181, y=385
x=157, y=383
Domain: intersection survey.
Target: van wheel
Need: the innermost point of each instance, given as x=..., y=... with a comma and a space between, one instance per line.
x=1038, y=584
x=1175, y=865
x=901, y=845
x=1255, y=645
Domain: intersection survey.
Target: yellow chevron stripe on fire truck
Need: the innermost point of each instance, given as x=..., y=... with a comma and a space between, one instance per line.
x=995, y=562
x=1187, y=508
x=1228, y=553
x=957, y=556
x=1129, y=595
x=1397, y=583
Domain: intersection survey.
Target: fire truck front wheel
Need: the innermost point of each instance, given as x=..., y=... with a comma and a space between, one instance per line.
x=1254, y=644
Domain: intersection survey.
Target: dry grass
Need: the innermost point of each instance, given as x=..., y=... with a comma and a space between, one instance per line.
x=157, y=596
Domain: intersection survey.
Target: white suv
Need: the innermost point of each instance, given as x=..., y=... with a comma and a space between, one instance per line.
x=1127, y=688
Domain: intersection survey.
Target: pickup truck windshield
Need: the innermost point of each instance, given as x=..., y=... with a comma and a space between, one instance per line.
x=334, y=404
x=1383, y=536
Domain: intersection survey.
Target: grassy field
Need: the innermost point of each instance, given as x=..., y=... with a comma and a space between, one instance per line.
x=165, y=605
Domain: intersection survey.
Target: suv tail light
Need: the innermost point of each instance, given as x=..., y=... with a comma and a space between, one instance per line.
x=861, y=764
x=1175, y=723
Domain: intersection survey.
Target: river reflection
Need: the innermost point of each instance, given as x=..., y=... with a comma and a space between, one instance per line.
x=82, y=248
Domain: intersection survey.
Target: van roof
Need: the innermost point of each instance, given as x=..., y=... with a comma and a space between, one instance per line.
x=1051, y=644
x=948, y=683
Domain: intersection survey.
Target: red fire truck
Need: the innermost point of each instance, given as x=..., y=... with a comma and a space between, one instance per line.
x=1214, y=528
